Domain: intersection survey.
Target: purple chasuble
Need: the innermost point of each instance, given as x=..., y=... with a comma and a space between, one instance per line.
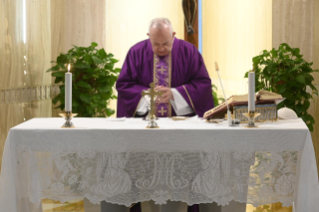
x=186, y=72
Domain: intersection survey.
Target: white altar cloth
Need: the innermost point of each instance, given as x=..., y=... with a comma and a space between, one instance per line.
x=120, y=161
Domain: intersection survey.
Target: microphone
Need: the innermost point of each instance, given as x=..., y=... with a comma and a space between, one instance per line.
x=230, y=121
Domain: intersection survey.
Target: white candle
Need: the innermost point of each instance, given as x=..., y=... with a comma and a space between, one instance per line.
x=68, y=90
x=251, y=91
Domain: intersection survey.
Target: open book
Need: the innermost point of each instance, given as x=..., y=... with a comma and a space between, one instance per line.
x=262, y=97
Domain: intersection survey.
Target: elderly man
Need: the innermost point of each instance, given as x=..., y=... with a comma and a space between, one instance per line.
x=176, y=67
x=178, y=71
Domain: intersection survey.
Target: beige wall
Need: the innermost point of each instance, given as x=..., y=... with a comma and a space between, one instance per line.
x=233, y=33
x=24, y=85
x=296, y=23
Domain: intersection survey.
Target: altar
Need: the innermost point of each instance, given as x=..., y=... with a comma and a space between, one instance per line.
x=120, y=161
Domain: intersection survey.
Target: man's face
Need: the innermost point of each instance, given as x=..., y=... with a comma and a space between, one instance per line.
x=162, y=40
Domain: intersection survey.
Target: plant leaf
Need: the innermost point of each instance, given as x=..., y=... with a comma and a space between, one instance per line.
x=58, y=79
x=58, y=74
x=88, y=59
x=117, y=70
x=102, y=54
x=81, y=65
x=96, y=60
x=56, y=99
x=300, y=78
x=113, y=60
x=105, y=89
x=85, y=97
x=84, y=84
x=75, y=103
x=281, y=88
x=109, y=112
x=306, y=105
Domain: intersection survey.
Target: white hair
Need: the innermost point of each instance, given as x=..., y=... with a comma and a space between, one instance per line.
x=159, y=23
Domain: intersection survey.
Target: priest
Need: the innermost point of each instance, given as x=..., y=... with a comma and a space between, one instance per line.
x=178, y=71
x=176, y=67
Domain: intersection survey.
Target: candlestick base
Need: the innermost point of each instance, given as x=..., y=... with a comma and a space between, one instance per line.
x=68, y=115
x=251, y=115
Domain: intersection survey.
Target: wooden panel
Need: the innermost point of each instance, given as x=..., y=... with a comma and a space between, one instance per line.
x=314, y=111
x=42, y=108
x=233, y=33
x=193, y=38
x=293, y=24
x=58, y=22
x=39, y=52
x=85, y=22
x=38, y=42
x=297, y=23
x=315, y=105
x=12, y=51
x=316, y=38
x=12, y=47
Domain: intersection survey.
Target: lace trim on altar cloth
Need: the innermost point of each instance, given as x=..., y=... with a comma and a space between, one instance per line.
x=193, y=177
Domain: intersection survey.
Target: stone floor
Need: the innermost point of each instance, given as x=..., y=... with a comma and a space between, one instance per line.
x=78, y=206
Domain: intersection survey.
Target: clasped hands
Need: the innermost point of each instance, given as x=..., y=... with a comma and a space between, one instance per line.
x=166, y=96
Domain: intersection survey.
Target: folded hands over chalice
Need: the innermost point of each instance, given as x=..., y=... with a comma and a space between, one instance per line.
x=166, y=96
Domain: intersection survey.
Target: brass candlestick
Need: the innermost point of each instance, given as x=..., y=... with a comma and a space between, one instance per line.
x=151, y=116
x=251, y=115
x=68, y=115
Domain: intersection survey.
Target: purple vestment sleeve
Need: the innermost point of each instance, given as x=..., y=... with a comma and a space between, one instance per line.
x=129, y=89
x=197, y=91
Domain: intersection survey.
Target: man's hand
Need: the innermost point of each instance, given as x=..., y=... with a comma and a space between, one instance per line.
x=166, y=96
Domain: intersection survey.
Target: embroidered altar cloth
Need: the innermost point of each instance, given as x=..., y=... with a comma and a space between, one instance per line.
x=120, y=161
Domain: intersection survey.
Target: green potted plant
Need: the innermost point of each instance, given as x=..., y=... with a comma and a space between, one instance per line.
x=93, y=79
x=285, y=72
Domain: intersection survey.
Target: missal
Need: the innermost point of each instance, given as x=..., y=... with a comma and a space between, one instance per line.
x=262, y=97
